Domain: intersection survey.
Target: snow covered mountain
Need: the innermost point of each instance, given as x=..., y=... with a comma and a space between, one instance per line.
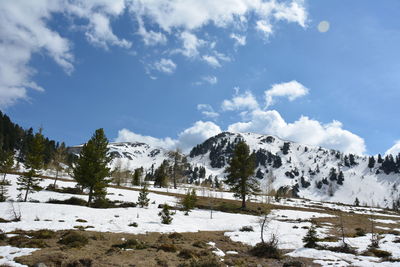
x=282, y=166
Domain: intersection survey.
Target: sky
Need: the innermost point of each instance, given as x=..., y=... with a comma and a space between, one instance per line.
x=174, y=73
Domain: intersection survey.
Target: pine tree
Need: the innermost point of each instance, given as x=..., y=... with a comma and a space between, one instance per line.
x=240, y=173
x=189, y=201
x=340, y=178
x=91, y=168
x=29, y=182
x=178, y=165
x=333, y=174
x=3, y=193
x=136, y=176
x=166, y=215
x=380, y=160
x=60, y=157
x=161, y=175
x=357, y=202
x=310, y=239
x=6, y=163
x=371, y=162
x=143, y=200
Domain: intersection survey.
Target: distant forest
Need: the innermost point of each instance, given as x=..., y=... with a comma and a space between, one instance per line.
x=14, y=138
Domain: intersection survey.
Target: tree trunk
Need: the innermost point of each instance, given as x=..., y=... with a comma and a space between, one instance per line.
x=26, y=194
x=243, y=201
x=55, y=180
x=4, y=177
x=90, y=196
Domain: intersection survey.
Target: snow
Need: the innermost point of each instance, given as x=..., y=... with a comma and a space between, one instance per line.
x=8, y=254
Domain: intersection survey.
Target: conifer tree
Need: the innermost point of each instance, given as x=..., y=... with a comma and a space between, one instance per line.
x=371, y=162
x=165, y=214
x=240, y=173
x=340, y=178
x=161, y=175
x=310, y=239
x=91, y=168
x=3, y=192
x=143, y=200
x=29, y=182
x=136, y=176
x=178, y=165
x=60, y=157
x=357, y=202
x=6, y=163
x=189, y=201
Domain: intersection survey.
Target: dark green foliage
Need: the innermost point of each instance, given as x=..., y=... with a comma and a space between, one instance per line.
x=380, y=160
x=91, y=168
x=352, y=160
x=357, y=202
x=134, y=224
x=285, y=148
x=165, y=214
x=143, y=200
x=43, y=234
x=179, y=166
x=161, y=175
x=136, y=176
x=3, y=193
x=73, y=239
x=240, y=173
x=371, y=162
x=340, y=178
x=6, y=162
x=189, y=201
x=310, y=239
x=333, y=174
x=380, y=253
x=70, y=201
x=28, y=183
x=247, y=228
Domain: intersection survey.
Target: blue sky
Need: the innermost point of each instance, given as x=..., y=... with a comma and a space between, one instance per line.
x=178, y=75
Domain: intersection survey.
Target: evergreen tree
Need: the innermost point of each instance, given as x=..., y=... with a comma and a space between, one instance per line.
x=136, y=176
x=240, y=173
x=352, y=160
x=29, y=182
x=6, y=163
x=143, y=200
x=346, y=161
x=161, y=175
x=333, y=174
x=179, y=163
x=380, y=160
x=371, y=162
x=165, y=214
x=357, y=202
x=285, y=148
x=3, y=192
x=189, y=201
x=340, y=178
x=310, y=239
x=91, y=168
x=60, y=157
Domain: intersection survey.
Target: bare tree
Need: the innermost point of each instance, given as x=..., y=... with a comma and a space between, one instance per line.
x=60, y=157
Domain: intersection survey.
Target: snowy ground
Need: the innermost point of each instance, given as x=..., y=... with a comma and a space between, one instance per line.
x=282, y=222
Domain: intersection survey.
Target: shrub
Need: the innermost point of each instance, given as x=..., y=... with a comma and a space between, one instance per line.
x=70, y=201
x=134, y=224
x=187, y=254
x=189, y=201
x=267, y=249
x=200, y=244
x=3, y=235
x=166, y=215
x=131, y=244
x=175, y=236
x=293, y=264
x=81, y=220
x=310, y=239
x=246, y=228
x=74, y=239
x=345, y=248
x=43, y=234
x=360, y=232
x=203, y=262
x=380, y=253
x=167, y=247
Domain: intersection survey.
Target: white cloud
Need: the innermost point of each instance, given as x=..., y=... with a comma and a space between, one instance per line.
x=150, y=37
x=394, y=150
x=304, y=130
x=264, y=26
x=240, y=102
x=240, y=40
x=126, y=135
x=196, y=134
x=210, y=79
x=291, y=90
x=190, y=44
x=207, y=111
x=165, y=65
x=212, y=61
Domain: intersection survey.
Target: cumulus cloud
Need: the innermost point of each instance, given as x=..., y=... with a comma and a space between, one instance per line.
x=165, y=65
x=291, y=90
x=245, y=101
x=304, y=130
x=240, y=40
x=394, y=150
x=190, y=44
x=207, y=110
x=150, y=37
x=210, y=79
x=126, y=135
x=212, y=61
x=199, y=132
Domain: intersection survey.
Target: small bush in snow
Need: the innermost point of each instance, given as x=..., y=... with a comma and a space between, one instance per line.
x=360, y=232
x=246, y=228
x=74, y=239
x=165, y=214
x=134, y=224
x=310, y=239
x=267, y=249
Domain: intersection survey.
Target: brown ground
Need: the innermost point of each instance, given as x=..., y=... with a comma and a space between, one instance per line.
x=99, y=251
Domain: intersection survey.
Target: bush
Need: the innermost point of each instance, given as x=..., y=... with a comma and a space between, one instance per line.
x=43, y=234
x=175, y=236
x=187, y=254
x=293, y=264
x=203, y=262
x=345, y=248
x=267, y=249
x=22, y=241
x=81, y=220
x=3, y=235
x=167, y=247
x=70, y=201
x=360, y=232
x=228, y=207
x=247, y=228
x=200, y=244
x=74, y=239
x=66, y=190
x=131, y=244
x=166, y=215
x=310, y=239
x=380, y=253
x=134, y=224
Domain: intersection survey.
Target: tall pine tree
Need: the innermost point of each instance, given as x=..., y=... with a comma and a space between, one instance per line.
x=29, y=182
x=240, y=173
x=91, y=169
